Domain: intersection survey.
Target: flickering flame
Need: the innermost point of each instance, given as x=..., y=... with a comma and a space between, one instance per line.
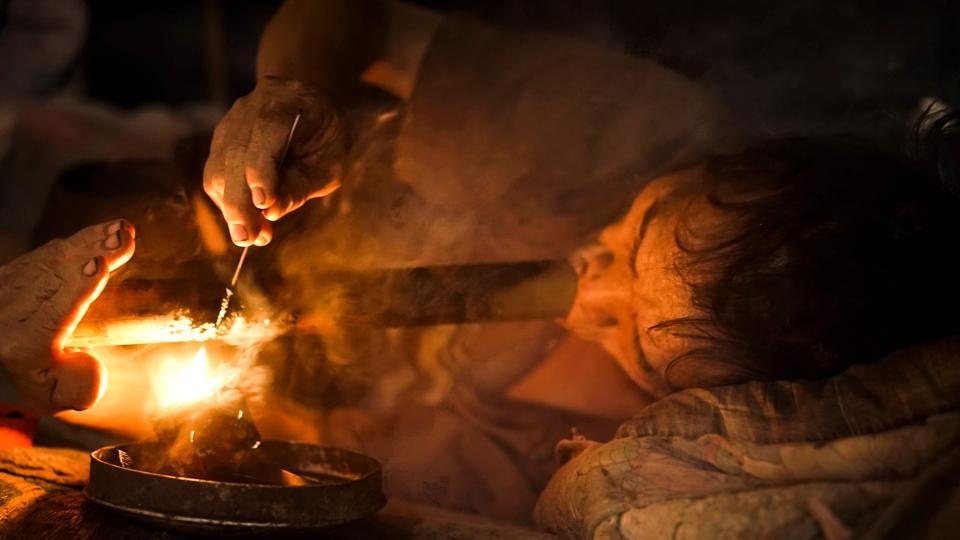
x=182, y=382
x=173, y=328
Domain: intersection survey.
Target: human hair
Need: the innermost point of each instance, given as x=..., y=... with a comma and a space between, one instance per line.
x=834, y=252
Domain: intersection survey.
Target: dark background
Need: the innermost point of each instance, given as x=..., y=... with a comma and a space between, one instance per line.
x=847, y=57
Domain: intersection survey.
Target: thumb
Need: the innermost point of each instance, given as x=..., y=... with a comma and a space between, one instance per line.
x=79, y=381
x=298, y=186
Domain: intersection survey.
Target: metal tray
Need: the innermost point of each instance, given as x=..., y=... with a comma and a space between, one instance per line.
x=352, y=491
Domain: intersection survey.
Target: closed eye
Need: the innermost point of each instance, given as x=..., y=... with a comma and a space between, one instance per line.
x=648, y=216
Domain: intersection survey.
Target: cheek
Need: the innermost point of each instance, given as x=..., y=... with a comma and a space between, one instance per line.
x=638, y=361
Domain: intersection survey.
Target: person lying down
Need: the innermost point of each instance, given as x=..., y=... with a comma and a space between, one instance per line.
x=791, y=306
x=794, y=304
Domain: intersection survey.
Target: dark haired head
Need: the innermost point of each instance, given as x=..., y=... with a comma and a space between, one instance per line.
x=833, y=252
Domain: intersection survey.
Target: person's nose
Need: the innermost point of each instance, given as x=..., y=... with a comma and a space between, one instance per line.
x=603, y=291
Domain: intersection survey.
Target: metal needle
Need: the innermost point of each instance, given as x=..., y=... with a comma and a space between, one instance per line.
x=225, y=303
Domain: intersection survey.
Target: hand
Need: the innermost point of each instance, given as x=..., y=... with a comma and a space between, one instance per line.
x=243, y=174
x=569, y=449
x=43, y=295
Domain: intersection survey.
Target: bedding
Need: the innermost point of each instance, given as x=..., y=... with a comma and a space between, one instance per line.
x=802, y=459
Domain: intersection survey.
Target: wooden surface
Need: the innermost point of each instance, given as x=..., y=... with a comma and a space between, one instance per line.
x=41, y=498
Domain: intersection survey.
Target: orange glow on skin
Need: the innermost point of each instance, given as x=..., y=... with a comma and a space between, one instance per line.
x=167, y=363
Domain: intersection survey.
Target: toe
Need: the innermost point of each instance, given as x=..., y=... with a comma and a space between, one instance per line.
x=81, y=381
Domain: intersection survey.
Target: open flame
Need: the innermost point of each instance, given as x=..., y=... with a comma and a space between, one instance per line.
x=173, y=360
x=180, y=382
x=173, y=328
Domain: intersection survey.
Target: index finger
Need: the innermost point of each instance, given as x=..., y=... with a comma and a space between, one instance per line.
x=268, y=141
x=241, y=215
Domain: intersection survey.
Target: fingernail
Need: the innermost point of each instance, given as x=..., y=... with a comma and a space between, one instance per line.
x=113, y=241
x=238, y=232
x=114, y=227
x=259, y=197
x=92, y=267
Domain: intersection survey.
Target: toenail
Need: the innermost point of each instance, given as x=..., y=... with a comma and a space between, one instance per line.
x=92, y=267
x=114, y=227
x=113, y=241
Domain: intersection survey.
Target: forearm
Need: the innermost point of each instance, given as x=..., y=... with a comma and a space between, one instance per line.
x=333, y=43
x=410, y=30
x=327, y=43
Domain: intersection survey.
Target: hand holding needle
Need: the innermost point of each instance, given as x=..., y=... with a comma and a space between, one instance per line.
x=225, y=303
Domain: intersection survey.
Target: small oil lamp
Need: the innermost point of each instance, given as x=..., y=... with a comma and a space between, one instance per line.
x=205, y=431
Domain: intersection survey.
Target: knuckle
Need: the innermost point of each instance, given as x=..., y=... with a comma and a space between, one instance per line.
x=210, y=185
x=232, y=213
x=260, y=170
x=228, y=135
x=220, y=131
x=233, y=154
x=213, y=164
x=211, y=192
x=229, y=210
x=274, y=120
x=285, y=202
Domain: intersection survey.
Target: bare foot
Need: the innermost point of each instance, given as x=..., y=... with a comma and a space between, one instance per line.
x=43, y=295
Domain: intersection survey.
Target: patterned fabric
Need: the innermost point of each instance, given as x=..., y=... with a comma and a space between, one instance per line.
x=765, y=458
x=906, y=387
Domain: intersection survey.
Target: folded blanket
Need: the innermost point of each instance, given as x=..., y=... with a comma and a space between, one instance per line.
x=780, y=459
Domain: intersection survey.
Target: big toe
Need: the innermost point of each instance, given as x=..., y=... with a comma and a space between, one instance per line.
x=81, y=381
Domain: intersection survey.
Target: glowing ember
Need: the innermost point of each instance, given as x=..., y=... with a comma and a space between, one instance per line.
x=182, y=382
x=224, y=305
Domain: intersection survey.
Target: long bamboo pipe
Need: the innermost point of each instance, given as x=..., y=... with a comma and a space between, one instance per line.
x=376, y=298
